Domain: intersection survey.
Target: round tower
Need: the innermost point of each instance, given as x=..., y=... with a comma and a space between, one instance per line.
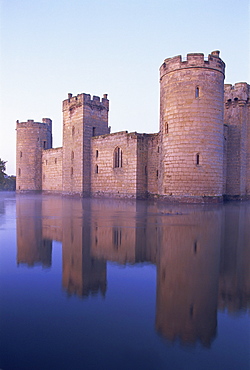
x=191, y=126
x=32, y=139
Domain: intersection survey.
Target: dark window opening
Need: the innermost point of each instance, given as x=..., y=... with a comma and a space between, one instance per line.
x=197, y=159
x=21, y=154
x=166, y=128
x=158, y=149
x=117, y=237
x=157, y=174
x=44, y=145
x=93, y=131
x=72, y=171
x=117, y=157
x=73, y=130
x=195, y=247
x=96, y=153
x=96, y=169
x=197, y=92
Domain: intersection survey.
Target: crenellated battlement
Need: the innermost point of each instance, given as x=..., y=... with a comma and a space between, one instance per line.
x=31, y=123
x=193, y=60
x=85, y=99
x=236, y=94
x=201, y=152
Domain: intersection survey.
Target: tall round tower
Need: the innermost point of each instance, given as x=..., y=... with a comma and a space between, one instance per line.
x=32, y=139
x=191, y=126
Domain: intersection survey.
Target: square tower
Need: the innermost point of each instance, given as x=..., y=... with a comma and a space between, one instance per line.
x=83, y=118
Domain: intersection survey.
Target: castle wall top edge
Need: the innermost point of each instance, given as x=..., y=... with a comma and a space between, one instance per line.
x=126, y=133
x=238, y=91
x=31, y=122
x=53, y=150
x=193, y=60
x=86, y=98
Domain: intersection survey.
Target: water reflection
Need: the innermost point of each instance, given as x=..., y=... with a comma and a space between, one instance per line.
x=201, y=254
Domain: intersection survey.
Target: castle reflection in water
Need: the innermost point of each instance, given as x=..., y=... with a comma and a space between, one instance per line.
x=201, y=253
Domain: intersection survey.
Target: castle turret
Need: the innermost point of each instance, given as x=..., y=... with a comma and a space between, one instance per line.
x=32, y=139
x=191, y=126
x=83, y=118
x=237, y=122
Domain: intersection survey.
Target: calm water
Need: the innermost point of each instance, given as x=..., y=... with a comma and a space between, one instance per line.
x=104, y=284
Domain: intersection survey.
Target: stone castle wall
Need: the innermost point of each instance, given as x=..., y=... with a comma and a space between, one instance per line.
x=237, y=120
x=191, y=126
x=198, y=154
x=82, y=119
x=109, y=178
x=52, y=170
x=153, y=164
x=32, y=139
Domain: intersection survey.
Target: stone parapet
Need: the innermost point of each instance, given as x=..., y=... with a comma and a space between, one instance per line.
x=193, y=60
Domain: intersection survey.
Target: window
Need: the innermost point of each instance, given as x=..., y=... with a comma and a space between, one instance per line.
x=21, y=154
x=72, y=171
x=197, y=159
x=117, y=237
x=96, y=169
x=166, y=128
x=73, y=130
x=72, y=155
x=19, y=171
x=44, y=145
x=55, y=160
x=117, y=157
x=195, y=247
x=93, y=131
x=191, y=311
x=197, y=92
x=96, y=153
x=157, y=174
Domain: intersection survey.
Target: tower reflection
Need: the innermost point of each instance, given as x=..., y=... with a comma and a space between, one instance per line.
x=187, y=277
x=201, y=254
x=32, y=247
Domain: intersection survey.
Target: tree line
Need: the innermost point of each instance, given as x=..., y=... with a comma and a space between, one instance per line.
x=6, y=182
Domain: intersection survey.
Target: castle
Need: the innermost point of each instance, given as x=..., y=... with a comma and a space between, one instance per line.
x=201, y=152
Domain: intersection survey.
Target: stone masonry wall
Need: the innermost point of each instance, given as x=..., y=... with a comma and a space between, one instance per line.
x=32, y=139
x=142, y=166
x=191, y=126
x=52, y=170
x=237, y=119
x=195, y=156
x=82, y=119
x=106, y=178
x=153, y=163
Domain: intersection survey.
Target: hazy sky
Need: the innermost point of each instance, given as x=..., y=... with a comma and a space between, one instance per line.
x=52, y=47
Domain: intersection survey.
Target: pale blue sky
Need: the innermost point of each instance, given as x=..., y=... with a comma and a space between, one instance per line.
x=52, y=47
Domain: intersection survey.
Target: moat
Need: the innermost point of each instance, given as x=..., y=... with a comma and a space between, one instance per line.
x=120, y=284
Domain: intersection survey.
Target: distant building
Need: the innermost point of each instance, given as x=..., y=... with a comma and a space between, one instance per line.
x=201, y=153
